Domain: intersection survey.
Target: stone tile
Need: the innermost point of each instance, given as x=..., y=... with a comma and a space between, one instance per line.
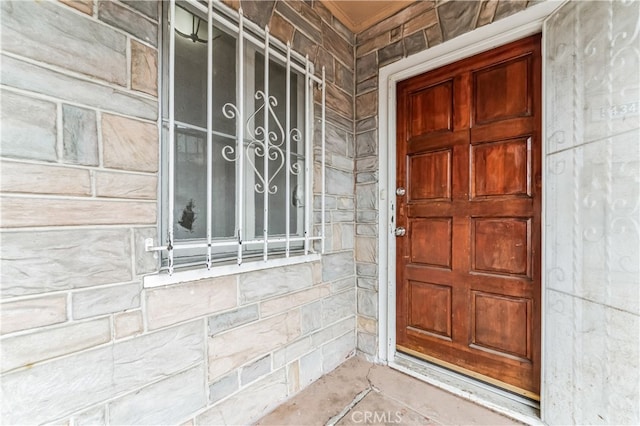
x=310, y=368
x=337, y=265
x=281, y=304
x=28, y=349
x=373, y=44
x=126, y=185
x=27, y=76
x=145, y=262
x=94, y=302
x=368, y=303
x=256, y=400
x=506, y=8
x=395, y=34
x=367, y=164
x=80, y=136
x=256, y=369
x=337, y=351
x=367, y=86
x=128, y=324
x=120, y=17
x=92, y=417
x=223, y=387
x=339, y=101
x=487, y=12
x=420, y=22
x=311, y=317
x=338, y=182
x=259, y=285
x=304, y=45
x=21, y=212
x=292, y=352
x=166, y=402
x=144, y=68
x=44, y=261
x=367, y=143
x=148, y=7
x=28, y=125
x=230, y=350
x=416, y=9
x=41, y=179
x=184, y=301
x=366, y=105
x=340, y=48
x=342, y=285
x=366, y=67
x=326, y=60
x=306, y=11
x=280, y=28
x=367, y=177
x=32, y=313
x=338, y=306
x=415, y=43
x=49, y=391
x=344, y=77
x=333, y=331
x=341, y=29
x=55, y=35
x=434, y=35
x=309, y=23
x=368, y=283
x=324, y=14
x=366, y=269
x=293, y=377
x=457, y=17
x=377, y=409
x=227, y=320
x=367, y=196
x=390, y=53
x=129, y=144
x=367, y=325
x=84, y=6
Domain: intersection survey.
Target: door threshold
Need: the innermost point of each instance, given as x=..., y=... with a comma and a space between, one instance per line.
x=506, y=403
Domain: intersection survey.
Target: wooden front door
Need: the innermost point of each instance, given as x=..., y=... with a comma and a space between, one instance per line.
x=468, y=267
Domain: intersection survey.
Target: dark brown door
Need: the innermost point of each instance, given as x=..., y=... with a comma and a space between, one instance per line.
x=468, y=268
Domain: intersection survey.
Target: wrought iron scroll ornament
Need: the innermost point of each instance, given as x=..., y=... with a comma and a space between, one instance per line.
x=260, y=143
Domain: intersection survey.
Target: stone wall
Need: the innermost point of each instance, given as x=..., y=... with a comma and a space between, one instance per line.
x=420, y=26
x=592, y=297
x=82, y=341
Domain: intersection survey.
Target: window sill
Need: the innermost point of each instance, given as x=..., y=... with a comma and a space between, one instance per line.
x=163, y=278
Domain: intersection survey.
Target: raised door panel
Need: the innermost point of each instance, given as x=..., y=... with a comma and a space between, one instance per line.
x=430, y=309
x=430, y=242
x=429, y=176
x=501, y=168
x=501, y=246
x=431, y=110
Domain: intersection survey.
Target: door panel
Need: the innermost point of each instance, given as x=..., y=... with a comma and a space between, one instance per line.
x=468, y=269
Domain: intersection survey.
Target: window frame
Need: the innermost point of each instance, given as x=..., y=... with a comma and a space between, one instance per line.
x=273, y=248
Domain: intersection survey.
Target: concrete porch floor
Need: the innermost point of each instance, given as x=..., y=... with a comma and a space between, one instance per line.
x=361, y=393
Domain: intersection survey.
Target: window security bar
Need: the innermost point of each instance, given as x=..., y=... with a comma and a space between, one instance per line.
x=260, y=140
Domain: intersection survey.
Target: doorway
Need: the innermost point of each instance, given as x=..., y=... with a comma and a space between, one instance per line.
x=468, y=277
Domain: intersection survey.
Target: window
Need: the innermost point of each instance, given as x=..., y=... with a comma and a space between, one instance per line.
x=237, y=117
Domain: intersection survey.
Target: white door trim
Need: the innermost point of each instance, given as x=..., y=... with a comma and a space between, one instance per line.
x=520, y=25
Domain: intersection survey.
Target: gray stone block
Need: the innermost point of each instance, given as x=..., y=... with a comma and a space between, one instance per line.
x=28, y=126
x=146, y=262
x=367, y=343
x=91, y=303
x=235, y=318
x=415, y=43
x=367, y=124
x=260, y=285
x=148, y=7
x=120, y=17
x=92, y=417
x=366, y=269
x=255, y=370
x=80, y=136
x=337, y=265
x=167, y=402
x=37, y=262
x=337, y=351
x=55, y=35
x=338, y=182
x=506, y=8
x=390, y=53
x=367, y=216
x=310, y=367
x=339, y=47
x=338, y=306
x=311, y=317
x=27, y=76
x=366, y=67
x=367, y=303
x=457, y=17
x=367, y=143
x=368, y=283
x=309, y=26
x=223, y=387
x=47, y=392
x=367, y=196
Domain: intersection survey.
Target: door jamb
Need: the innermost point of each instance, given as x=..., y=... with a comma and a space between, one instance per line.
x=512, y=28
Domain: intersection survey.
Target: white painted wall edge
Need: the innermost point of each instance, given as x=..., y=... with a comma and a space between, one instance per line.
x=520, y=25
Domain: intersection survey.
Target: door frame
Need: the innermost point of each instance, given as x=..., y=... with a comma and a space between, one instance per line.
x=515, y=27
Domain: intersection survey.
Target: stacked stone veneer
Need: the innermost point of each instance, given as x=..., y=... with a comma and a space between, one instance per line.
x=422, y=25
x=82, y=341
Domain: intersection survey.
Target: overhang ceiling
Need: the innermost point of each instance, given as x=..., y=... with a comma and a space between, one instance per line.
x=358, y=15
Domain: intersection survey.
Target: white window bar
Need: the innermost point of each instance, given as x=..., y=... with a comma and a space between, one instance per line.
x=209, y=128
x=267, y=138
x=287, y=213
x=238, y=113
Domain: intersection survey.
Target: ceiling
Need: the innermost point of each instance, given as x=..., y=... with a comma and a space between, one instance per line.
x=358, y=15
